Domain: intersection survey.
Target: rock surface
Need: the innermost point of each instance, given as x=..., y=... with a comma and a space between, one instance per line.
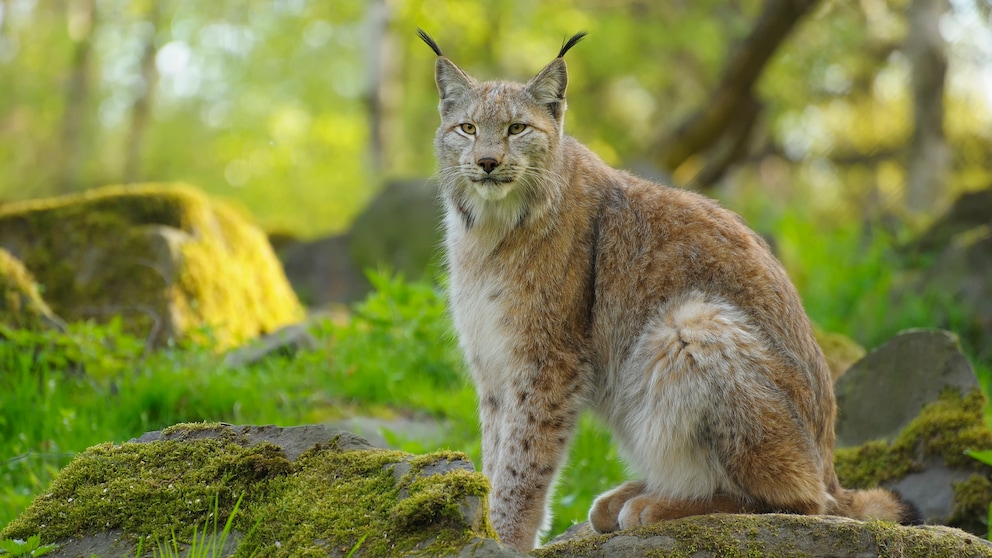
x=400, y=231
x=21, y=305
x=324, y=492
x=768, y=535
x=882, y=393
x=165, y=258
x=315, y=490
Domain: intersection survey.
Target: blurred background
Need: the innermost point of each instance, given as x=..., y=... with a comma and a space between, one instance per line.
x=864, y=119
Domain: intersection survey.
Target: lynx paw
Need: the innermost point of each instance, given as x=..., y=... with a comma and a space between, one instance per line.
x=644, y=510
x=606, y=510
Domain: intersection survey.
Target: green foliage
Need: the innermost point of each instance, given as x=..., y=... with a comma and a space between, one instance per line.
x=204, y=544
x=395, y=355
x=30, y=547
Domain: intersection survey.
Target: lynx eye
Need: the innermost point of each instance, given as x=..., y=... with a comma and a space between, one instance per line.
x=517, y=128
x=468, y=128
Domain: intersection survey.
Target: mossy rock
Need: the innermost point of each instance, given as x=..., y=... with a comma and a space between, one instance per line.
x=168, y=259
x=305, y=491
x=928, y=461
x=886, y=390
x=21, y=305
x=841, y=351
x=770, y=535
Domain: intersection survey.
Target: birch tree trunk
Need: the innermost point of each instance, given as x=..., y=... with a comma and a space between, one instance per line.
x=928, y=154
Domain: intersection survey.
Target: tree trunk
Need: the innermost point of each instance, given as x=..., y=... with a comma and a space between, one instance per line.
x=81, y=20
x=729, y=114
x=928, y=153
x=382, y=89
x=141, y=110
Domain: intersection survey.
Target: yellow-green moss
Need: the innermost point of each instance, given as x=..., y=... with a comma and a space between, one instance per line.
x=21, y=306
x=841, y=351
x=747, y=536
x=323, y=503
x=99, y=254
x=945, y=428
x=971, y=504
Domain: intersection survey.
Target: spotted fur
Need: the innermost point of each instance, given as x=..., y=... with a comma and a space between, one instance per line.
x=577, y=286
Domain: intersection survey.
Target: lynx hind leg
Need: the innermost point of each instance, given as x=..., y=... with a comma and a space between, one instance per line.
x=705, y=424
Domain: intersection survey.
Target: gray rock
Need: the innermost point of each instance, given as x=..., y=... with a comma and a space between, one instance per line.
x=399, y=230
x=287, y=340
x=770, y=535
x=322, y=270
x=884, y=391
x=293, y=440
x=488, y=548
x=932, y=489
x=441, y=498
x=425, y=430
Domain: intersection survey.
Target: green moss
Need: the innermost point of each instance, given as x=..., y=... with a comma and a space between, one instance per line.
x=21, y=305
x=971, y=504
x=945, y=428
x=771, y=535
x=147, y=489
x=322, y=503
x=110, y=251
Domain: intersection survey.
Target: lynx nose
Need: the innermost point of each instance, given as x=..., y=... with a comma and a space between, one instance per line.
x=488, y=164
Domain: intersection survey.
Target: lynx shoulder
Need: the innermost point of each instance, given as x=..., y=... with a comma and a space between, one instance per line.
x=576, y=286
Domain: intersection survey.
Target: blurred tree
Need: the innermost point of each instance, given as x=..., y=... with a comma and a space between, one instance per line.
x=141, y=109
x=927, y=167
x=298, y=110
x=81, y=20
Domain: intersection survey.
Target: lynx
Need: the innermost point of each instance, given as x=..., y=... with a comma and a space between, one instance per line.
x=577, y=286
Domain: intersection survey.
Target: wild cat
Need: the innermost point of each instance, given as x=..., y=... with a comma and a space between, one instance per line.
x=574, y=285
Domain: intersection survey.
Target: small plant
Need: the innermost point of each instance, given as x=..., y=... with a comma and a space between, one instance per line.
x=203, y=544
x=985, y=456
x=30, y=547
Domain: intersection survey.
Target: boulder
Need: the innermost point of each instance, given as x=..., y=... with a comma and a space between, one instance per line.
x=954, y=256
x=768, y=535
x=322, y=271
x=21, y=305
x=927, y=462
x=166, y=258
x=882, y=393
x=841, y=351
x=399, y=231
x=303, y=491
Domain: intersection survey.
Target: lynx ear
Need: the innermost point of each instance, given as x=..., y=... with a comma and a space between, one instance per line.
x=451, y=81
x=548, y=86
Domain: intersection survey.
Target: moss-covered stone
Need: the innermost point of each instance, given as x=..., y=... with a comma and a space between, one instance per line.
x=971, y=504
x=327, y=501
x=944, y=430
x=841, y=351
x=21, y=305
x=773, y=535
x=167, y=258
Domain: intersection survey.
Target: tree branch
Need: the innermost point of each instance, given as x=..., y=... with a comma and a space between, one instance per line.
x=703, y=129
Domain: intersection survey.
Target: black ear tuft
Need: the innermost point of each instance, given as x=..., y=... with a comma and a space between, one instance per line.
x=430, y=41
x=568, y=44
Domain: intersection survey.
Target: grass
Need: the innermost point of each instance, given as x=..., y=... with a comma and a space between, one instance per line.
x=396, y=355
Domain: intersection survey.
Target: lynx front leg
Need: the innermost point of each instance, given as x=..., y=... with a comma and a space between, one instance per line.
x=525, y=437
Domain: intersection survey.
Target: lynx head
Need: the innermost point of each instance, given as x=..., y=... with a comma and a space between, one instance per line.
x=498, y=145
